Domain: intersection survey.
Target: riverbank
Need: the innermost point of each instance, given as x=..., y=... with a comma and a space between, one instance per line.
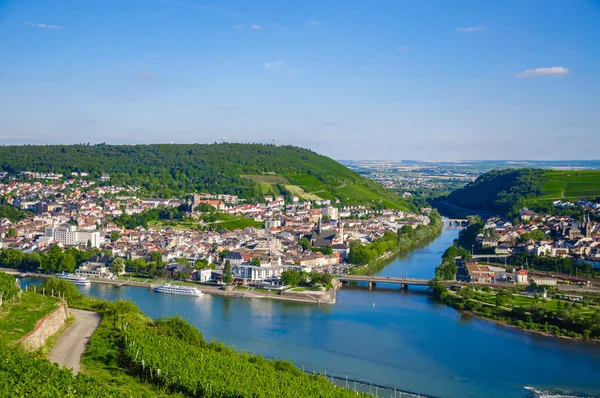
x=545, y=317
x=420, y=238
x=328, y=297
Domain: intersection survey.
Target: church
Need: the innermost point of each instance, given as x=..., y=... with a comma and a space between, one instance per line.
x=326, y=237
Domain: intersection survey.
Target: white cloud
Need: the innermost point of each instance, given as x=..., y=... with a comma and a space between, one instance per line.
x=313, y=22
x=552, y=71
x=256, y=27
x=274, y=65
x=229, y=108
x=44, y=26
x=471, y=29
x=403, y=48
x=238, y=27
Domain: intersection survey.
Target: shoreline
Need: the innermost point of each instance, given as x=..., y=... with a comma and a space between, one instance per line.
x=328, y=297
x=538, y=332
x=380, y=262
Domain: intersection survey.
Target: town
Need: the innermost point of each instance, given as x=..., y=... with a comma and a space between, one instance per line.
x=192, y=238
x=556, y=249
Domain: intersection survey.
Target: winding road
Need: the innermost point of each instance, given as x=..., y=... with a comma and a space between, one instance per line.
x=70, y=346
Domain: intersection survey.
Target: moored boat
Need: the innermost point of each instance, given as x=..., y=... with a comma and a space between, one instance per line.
x=78, y=280
x=176, y=289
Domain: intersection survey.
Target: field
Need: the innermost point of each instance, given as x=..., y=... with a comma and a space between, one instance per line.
x=265, y=179
x=221, y=221
x=570, y=185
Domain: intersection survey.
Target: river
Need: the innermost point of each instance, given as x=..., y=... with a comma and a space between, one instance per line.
x=387, y=337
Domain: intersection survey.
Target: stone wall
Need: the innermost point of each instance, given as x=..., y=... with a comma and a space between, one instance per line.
x=315, y=296
x=46, y=327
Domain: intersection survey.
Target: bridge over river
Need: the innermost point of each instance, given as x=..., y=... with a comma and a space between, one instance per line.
x=372, y=281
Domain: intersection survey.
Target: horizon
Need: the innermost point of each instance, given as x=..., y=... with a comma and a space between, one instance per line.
x=392, y=79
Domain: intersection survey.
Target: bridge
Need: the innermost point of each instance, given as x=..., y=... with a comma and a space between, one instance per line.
x=455, y=222
x=372, y=281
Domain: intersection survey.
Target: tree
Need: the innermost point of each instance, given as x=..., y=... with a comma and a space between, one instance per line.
x=139, y=264
x=114, y=236
x=8, y=286
x=12, y=232
x=227, y=275
x=304, y=243
x=67, y=263
x=291, y=277
x=118, y=266
x=315, y=278
x=156, y=257
x=182, y=260
x=62, y=287
x=255, y=262
x=89, y=244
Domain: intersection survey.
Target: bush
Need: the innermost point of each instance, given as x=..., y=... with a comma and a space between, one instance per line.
x=8, y=286
x=58, y=286
x=179, y=328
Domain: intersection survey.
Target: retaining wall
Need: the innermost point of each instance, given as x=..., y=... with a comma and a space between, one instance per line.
x=46, y=327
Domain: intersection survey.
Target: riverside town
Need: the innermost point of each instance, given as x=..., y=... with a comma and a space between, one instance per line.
x=309, y=199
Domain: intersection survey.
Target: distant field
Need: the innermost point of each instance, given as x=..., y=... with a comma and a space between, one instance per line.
x=296, y=190
x=306, y=181
x=571, y=185
x=265, y=179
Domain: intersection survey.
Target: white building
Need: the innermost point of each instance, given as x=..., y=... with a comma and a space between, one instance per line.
x=68, y=235
x=259, y=274
x=272, y=223
x=331, y=212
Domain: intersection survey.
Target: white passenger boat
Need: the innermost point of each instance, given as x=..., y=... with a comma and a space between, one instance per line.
x=176, y=289
x=78, y=280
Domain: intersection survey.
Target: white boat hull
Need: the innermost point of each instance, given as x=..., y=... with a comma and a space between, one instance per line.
x=181, y=291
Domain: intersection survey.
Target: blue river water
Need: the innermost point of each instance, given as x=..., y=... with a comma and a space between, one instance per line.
x=388, y=337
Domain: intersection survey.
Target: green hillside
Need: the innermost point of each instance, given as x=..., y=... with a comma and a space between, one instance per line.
x=246, y=170
x=504, y=192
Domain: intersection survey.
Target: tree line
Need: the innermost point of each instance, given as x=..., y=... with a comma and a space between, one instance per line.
x=365, y=256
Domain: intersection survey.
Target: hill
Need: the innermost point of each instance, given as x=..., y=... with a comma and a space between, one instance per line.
x=504, y=192
x=245, y=170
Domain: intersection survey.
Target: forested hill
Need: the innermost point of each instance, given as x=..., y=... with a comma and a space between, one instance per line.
x=246, y=170
x=504, y=192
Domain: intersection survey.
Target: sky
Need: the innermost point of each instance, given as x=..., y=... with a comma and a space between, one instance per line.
x=351, y=79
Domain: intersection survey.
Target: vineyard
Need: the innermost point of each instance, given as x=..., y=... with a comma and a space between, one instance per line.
x=25, y=375
x=217, y=371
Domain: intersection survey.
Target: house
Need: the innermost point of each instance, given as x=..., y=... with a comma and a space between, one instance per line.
x=96, y=267
x=341, y=249
x=202, y=275
x=521, y=276
x=533, y=290
x=542, y=281
x=234, y=258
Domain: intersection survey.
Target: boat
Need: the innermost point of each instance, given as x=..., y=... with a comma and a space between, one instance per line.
x=78, y=280
x=176, y=289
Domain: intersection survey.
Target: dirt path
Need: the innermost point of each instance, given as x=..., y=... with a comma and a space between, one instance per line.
x=71, y=344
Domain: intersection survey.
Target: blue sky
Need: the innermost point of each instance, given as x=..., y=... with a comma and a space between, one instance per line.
x=352, y=79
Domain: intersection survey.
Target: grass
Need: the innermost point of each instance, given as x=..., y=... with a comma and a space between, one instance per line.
x=585, y=311
x=224, y=220
x=18, y=319
x=307, y=181
x=298, y=191
x=265, y=179
x=240, y=223
x=101, y=361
